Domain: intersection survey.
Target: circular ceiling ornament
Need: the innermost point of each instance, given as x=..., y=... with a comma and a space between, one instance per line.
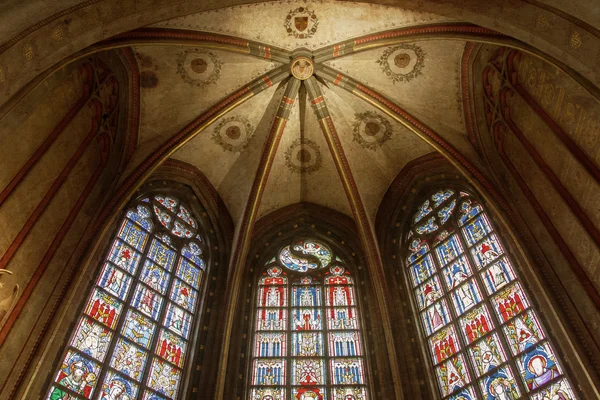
x=371, y=130
x=198, y=67
x=233, y=133
x=302, y=68
x=301, y=23
x=303, y=156
x=403, y=62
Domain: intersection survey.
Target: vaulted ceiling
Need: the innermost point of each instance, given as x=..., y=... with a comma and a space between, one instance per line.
x=383, y=73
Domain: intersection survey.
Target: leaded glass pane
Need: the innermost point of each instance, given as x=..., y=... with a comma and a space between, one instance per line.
x=342, y=318
x=269, y=319
x=308, y=371
x=444, y=344
x=164, y=378
x=269, y=372
x=500, y=384
x=147, y=301
x=306, y=296
x=162, y=254
x=435, y=317
x=509, y=302
x=452, y=375
x=422, y=270
x=78, y=374
x=138, y=329
x=104, y=308
x=344, y=344
x=307, y=344
x=428, y=293
x=448, y=250
x=118, y=387
x=306, y=319
x=114, y=281
x=133, y=234
x=487, y=354
x=129, y=359
x=538, y=366
x=523, y=332
x=178, y=320
x=269, y=344
x=124, y=257
x=339, y=296
x=171, y=348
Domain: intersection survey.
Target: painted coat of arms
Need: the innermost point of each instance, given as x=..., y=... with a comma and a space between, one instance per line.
x=301, y=23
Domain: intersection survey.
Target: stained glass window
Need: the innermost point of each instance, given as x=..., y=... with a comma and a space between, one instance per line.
x=132, y=338
x=484, y=338
x=307, y=338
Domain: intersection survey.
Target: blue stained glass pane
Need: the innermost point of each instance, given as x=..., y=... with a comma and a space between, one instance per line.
x=342, y=318
x=306, y=296
x=77, y=374
x=441, y=196
x=538, y=366
x=457, y=272
x=124, y=257
x=448, y=250
x=523, y=332
x=138, y=329
x=143, y=222
x=104, y=308
x=294, y=263
x=500, y=383
x=271, y=319
x=559, y=390
x=171, y=348
x=133, y=235
x=487, y=251
x=91, y=338
x=270, y=344
x=418, y=253
x=147, y=301
x=308, y=371
x=476, y=230
x=189, y=273
x=129, y=359
x=185, y=215
x=428, y=293
x=178, y=320
x=347, y=371
x=498, y=275
x=269, y=372
x=184, y=295
x=344, y=344
x=422, y=270
x=306, y=319
x=468, y=211
x=162, y=255
x=452, y=375
x=116, y=387
x=435, y=317
x=423, y=211
x=153, y=396
x=168, y=202
x=154, y=276
x=445, y=213
x=487, y=354
x=466, y=296
x=307, y=344
x=114, y=281
x=164, y=378
x=427, y=227
x=466, y=394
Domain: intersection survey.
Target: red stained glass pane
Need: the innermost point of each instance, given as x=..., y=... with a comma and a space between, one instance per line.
x=339, y=296
x=444, y=344
x=476, y=323
x=104, y=308
x=509, y=302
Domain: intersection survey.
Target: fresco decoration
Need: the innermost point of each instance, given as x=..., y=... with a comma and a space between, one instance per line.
x=453, y=292
x=233, y=133
x=138, y=317
x=371, y=130
x=307, y=338
x=301, y=22
x=402, y=63
x=198, y=68
x=303, y=156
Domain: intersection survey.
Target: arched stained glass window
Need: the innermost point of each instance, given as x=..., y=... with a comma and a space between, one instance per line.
x=307, y=339
x=484, y=338
x=133, y=336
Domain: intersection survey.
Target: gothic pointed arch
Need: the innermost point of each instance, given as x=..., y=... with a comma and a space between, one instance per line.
x=482, y=319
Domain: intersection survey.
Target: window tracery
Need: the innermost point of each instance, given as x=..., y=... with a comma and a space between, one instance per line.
x=483, y=336
x=133, y=336
x=307, y=338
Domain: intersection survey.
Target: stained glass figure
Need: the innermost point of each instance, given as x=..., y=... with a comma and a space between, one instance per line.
x=444, y=344
x=92, y=339
x=452, y=375
x=487, y=354
x=138, y=329
x=146, y=348
x=164, y=378
x=269, y=372
x=295, y=263
x=115, y=387
x=316, y=249
x=104, y=308
x=306, y=319
x=124, y=257
x=477, y=274
x=129, y=359
x=77, y=374
x=500, y=385
x=435, y=317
